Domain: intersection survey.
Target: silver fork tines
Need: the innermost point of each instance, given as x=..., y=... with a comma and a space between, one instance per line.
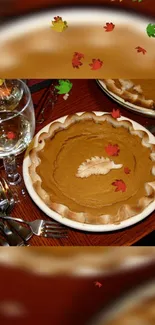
x=43, y=228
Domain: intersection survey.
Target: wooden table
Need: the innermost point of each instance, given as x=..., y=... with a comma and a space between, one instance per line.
x=85, y=96
x=16, y=7
x=64, y=300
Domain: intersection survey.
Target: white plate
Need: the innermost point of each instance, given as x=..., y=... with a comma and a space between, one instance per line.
x=70, y=223
x=126, y=104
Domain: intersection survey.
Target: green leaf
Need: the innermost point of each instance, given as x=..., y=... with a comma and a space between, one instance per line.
x=150, y=29
x=64, y=86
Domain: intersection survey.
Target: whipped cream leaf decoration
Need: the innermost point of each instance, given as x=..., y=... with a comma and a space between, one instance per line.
x=96, y=166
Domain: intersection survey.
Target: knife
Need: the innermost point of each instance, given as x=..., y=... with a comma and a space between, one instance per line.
x=3, y=242
x=12, y=237
x=24, y=232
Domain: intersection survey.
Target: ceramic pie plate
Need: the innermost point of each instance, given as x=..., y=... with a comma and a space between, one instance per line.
x=124, y=304
x=74, y=224
x=126, y=104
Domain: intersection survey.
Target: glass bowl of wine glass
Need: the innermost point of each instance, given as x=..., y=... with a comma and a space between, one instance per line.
x=17, y=124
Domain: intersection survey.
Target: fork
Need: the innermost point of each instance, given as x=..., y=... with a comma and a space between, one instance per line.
x=48, y=229
x=38, y=227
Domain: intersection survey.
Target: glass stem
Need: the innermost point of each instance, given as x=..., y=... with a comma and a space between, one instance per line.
x=10, y=166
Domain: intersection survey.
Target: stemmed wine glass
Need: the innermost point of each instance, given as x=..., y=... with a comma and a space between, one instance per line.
x=17, y=124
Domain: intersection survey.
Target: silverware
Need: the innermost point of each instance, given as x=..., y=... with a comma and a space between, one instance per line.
x=7, y=194
x=24, y=232
x=51, y=97
x=3, y=242
x=6, y=207
x=3, y=239
x=48, y=229
x=13, y=238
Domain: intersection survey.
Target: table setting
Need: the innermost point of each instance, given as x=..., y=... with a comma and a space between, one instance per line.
x=27, y=216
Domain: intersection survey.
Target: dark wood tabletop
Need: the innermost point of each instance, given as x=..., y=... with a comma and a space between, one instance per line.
x=85, y=95
x=17, y=7
x=64, y=300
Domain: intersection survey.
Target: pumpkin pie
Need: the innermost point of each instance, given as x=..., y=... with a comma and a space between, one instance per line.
x=140, y=92
x=92, y=169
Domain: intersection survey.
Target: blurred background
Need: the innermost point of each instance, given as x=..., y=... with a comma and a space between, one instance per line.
x=13, y=8
x=30, y=295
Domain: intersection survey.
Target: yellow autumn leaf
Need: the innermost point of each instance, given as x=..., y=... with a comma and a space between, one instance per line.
x=2, y=82
x=59, y=25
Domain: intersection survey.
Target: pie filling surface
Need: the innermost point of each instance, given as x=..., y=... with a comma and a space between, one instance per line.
x=92, y=169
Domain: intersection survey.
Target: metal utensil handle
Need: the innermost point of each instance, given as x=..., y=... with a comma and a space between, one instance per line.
x=13, y=238
x=14, y=219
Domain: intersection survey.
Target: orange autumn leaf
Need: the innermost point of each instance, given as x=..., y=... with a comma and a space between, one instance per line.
x=112, y=149
x=120, y=185
x=76, y=60
x=4, y=92
x=98, y=284
x=109, y=27
x=10, y=135
x=96, y=64
x=140, y=50
x=127, y=170
x=116, y=113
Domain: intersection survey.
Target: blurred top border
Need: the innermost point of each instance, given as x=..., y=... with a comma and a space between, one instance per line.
x=16, y=8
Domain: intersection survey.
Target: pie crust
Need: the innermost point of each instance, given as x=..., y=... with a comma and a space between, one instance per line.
x=124, y=211
x=130, y=92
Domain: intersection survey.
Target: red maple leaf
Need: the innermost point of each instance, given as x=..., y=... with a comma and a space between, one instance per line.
x=109, y=27
x=76, y=63
x=11, y=135
x=140, y=50
x=58, y=18
x=116, y=113
x=98, y=284
x=120, y=185
x=127, y=170
x=112, y=149
x=96, y=64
